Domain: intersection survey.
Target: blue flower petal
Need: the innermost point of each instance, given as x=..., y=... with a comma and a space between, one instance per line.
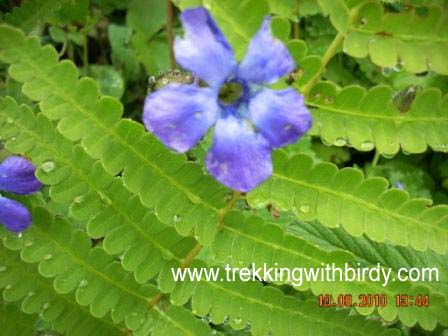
x=204, y=50
x=17, y=176
x=13, y=215
x=281, y=116
x=239, y=158
x=267, y=58
x=180, y=115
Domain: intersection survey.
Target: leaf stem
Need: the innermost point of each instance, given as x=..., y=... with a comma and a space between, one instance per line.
x=376, y=158
x=85, y=54
x=198, y=247
x=169, y=33
x=331, y=51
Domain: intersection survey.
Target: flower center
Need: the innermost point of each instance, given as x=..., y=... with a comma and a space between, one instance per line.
x=230, y=93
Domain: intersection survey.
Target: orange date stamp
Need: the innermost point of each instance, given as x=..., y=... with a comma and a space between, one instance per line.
x=372, y=300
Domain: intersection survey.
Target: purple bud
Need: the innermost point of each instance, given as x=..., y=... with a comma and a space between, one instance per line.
x=17, y=175
x=13, y=215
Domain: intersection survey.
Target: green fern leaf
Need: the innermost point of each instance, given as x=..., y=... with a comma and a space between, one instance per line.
x=267, y=309
x=96, y=279
x=14, y=321
x=365, y=120
x=410, y=40
x=370, y=252
x=180, y=192
x=92, y=195
x=31, y=12
x=22, y=283
x=243, y=241
x=344, y=197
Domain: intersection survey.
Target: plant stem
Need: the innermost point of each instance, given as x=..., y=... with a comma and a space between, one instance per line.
x=85, y=54
x=198, y=247
x=169, y=32
x=376, y=158
x=331, y=51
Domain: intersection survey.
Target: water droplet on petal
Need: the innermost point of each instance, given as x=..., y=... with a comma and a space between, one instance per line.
x=367, y=145
x=305, y=208
x=48, y=166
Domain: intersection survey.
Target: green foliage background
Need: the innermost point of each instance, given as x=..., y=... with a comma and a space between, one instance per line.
x=368, y=185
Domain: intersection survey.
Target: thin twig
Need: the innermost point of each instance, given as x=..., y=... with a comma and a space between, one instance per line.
x=169, y=32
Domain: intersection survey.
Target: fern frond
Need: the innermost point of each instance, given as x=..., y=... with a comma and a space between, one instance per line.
x=370, y=252
x=31, y=12
x=411, y=40
x=178, y=190
x=243, y=241
x=91, y=194
x=266, y=309
x=344, y=197
x=96, y=278
x=368, y=119
x=14, y=321
x=22, y=283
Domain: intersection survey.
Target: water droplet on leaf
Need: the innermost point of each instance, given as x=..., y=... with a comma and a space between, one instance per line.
x=305, y=208
x=3, y=268
x=367, y=145
x=48, y=166
x=48, y=256
x=340, y=142
x=386, y=72
x=177, y=218
x=237, y=321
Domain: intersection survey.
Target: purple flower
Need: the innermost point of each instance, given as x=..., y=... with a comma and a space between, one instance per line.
x=16, y=176
x=250, y=119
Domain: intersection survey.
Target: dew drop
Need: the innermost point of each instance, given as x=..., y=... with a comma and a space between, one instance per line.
x=237, y=320
x=329, y=100
x=8, y=287
x=363, y=21
x=28, y=243
x=386, y=72
x=48, y=166
x=78, y=199
x=3, y=268
x=48, y=256
x=318, y=95
x=83, y=283
x=177, y=218
x=46, y=306
x=19, y=236
x=340, y=142
x=367, y=145
x=31, y=294
x=305, y=208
